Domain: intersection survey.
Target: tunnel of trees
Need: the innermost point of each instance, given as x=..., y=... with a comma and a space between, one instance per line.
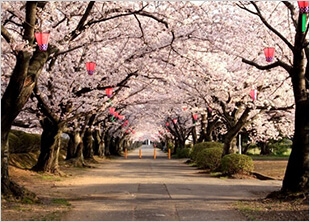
x=172, y=72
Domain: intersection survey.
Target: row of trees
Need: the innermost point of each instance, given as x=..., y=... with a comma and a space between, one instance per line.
x=158, y=57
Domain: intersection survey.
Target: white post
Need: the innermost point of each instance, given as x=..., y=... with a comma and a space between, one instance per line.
x=240, y=144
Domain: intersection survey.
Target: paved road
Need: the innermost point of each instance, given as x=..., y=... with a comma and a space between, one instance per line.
x=147, y=189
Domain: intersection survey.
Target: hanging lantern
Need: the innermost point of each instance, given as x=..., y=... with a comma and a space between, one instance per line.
x=175, y=121
x=303, y=7
x=112, y=110
x=42, y=40
x=126, y=131
x=253, y=94
x=90, y=66
x=195, y=116
x=109, y=92
x=269, y=52
x=304, y=10
x=115, y=114
x=133, y=131
x=125, y=123
x=167, y=124
x=121, y=117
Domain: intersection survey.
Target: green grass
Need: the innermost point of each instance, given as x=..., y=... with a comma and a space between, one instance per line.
x=49, y=177
x=269, y=157
x=53, y=216
x=28, y=200
x=256, y=151
x=247, y=210
x=61, y=202
x=20, y=208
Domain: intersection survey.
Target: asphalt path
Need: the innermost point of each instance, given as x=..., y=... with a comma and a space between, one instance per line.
x=151, y=189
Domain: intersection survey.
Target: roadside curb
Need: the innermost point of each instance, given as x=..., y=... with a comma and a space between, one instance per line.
x=262, y=177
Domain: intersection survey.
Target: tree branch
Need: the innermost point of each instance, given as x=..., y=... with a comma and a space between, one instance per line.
x=120, y=84
x=291, y=7
x=31, y=10
x=80, y=27
x=262, y=18
x=6, y=35
x=287, y=67
x=43, y=107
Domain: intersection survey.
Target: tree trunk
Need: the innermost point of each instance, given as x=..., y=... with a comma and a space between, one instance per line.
x=88, y=145
x=181, y=144
x=194, y=135
x=107, y=139
x=297, y=172
x=264, y=149
x=203, y=131
x=245, y=148
x=233, y=131
x=176, y=146
x=96, y=136
x=50, y=146
x=71, y=150
x=208, y=136
x=296, y=177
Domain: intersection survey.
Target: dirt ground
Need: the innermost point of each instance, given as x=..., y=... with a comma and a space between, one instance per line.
x=274, y=210
x=145, y=189
x=271, y=168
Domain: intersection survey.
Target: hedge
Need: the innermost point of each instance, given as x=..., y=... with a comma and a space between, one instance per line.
x=237, y=163
x=209, y=158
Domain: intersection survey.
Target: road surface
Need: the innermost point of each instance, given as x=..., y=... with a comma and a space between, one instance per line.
x=151, y=190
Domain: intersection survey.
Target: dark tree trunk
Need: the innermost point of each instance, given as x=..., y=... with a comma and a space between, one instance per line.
x=208, y=136
x=88, y=144
x=176, y=146
x=71, y=150
x=297, y=172
x=50, y=146
x=264, y=149
x=296, y=177
x=194, y=135
x=77, y=157
x=107, y=139
x=244, y=149
x=233, y=131
x=97, y=139
x=181, y=144
x=203, y=132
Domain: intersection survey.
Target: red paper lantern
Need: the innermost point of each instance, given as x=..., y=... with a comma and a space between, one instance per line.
x=126, y=131
x=175, y=121
x=109, y=92
x=112, y=110
x=42, y=40
x=121, y=117
x=115, y=114
x=125, y=123
x=253, y=94
x=90, y=66
x=133, y=131
x=269, y=51
x=167, y=124
x=195, y=116
x=303, y=6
